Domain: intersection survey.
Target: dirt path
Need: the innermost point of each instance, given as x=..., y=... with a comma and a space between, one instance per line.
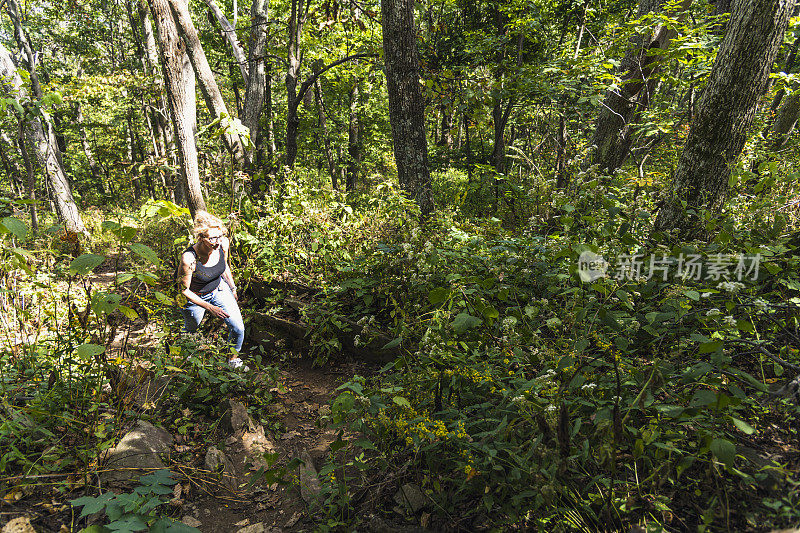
x=276, y=508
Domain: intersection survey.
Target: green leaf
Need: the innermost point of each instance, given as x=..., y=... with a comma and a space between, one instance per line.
x=694, y=295
x=105, y=302
x=122, y=277
x=86, y=352
x=92, y=505
x=180, y=527
x=393, y=343
x=164, y=299
x=438, y=295
x=402, y=402
x=15, y=226
x=145, y=252
x=85, y=263
x=95, y=529
x=703, y=397
x=746, y=428
x=128, y=313
x=128, y=523
x=465, y=321
x=709, y=347
x=724, y=450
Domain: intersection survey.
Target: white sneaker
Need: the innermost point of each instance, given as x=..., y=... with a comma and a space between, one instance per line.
x=237, y=364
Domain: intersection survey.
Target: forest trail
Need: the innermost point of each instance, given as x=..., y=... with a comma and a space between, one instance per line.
x=295, y=431
x=295, y=428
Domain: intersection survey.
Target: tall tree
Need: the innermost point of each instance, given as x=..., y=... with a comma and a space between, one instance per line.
x=208, y=84
x=406, y=106
x=256, y=78
x=623, y=106
x=180, y=93
x=39, y=132
x=725, y=112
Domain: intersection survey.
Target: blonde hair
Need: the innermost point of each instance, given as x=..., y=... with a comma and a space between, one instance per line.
x=204, y=221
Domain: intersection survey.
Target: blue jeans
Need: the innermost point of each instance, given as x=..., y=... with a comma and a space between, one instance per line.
x=221, y=297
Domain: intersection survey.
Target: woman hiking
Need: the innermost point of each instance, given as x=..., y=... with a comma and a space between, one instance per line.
x=207, y=282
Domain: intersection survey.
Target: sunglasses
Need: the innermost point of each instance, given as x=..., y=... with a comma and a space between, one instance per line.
x=216, y=238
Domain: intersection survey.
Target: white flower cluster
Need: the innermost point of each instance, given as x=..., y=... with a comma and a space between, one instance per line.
x=366, y=320
x=730, y=286
x=589, y=386
x=547, y=375
x=508, y=323
x=713, y=312
x=729, y=320
x=761, y=303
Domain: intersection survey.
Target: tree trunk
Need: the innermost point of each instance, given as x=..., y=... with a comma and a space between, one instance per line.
x=257, y=79
x=785, y=120
x=446, y=125
x=353, y=140
x=12, y=170
x=406, y=105
x=270, y=140
x=323, y=126
x=561, y=152
x=180, y=97
x=30, y=184
x=229, y=33
x=43, y=141
x=87, y=148
x=297, y=20
x=208, y=84
x=622, y=107
x=718, y=131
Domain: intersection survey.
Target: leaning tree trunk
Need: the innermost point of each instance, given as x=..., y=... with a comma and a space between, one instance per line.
x=406, y=106
x=180, y=93
x=208, y=84
x=44, y=143
x=718, y=131
x=623, y=106
x=229, y=33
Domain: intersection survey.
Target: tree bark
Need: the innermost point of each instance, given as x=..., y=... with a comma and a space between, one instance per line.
x=12, y=170
x=785, y=119
x=257, y=78
x=87, y=148
x=180, y=96
x=622, y=108
x=229, y=33
x=353, y=140
x=208, y=84
x=46, y=149
x=561, y=152
x=30, y=184
x=406, y=105
x=718, y=131
x=323, y=126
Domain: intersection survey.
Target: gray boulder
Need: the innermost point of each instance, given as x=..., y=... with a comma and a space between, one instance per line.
x=137, y=453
